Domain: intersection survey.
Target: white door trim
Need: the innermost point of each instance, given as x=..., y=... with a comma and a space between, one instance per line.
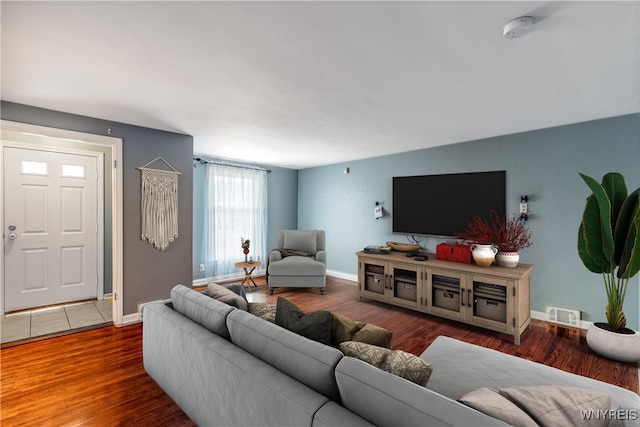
x=117, y=198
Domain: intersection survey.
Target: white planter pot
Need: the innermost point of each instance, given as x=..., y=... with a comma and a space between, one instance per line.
x=612, y=345
x=507, y=259
x=484, y=255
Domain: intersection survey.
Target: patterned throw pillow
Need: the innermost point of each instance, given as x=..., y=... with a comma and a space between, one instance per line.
x=263, y=310
x=396, y=362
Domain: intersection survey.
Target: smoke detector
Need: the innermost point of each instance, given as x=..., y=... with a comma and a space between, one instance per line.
x=518, y=27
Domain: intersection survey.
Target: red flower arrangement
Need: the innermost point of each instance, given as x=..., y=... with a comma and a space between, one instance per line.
x=507, y=235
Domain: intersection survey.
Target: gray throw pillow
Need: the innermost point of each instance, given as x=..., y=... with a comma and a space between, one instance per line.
x=315, y=326
x=226, y=295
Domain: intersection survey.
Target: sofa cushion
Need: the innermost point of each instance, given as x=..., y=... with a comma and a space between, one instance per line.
x=208, y=312
x=226, y=296
x=301, y=240
x=460, y=367
x=389, y=401
x=308, y=361
x=397, y=362
x=315, y=325
x=546, y=406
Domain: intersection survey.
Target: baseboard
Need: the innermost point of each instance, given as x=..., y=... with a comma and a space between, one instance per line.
x=342, y=275
x=130, y=319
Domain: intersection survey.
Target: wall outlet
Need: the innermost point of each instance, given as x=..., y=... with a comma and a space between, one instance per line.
x=201, y=268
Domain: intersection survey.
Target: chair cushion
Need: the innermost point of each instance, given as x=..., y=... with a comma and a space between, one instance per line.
x=297, y=266
x=301, y=240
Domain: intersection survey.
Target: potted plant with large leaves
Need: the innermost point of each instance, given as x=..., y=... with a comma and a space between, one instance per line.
x=609, y=244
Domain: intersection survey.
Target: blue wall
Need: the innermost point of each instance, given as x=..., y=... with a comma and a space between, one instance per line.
x=282, y=209
x=543, y=164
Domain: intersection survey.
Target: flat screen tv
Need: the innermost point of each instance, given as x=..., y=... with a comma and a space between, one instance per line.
x=441, y=205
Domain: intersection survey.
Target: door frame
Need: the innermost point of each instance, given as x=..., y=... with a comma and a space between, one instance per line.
x=116, y=195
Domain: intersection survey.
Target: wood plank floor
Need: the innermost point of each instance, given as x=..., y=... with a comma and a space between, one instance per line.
x=96, y=378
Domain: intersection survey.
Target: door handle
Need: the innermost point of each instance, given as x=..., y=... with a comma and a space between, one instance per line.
x=12, y=235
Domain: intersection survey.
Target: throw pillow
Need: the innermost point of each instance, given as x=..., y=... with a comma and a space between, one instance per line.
x=542, y=405
x=315, y=326
x=301, y=240
x=375, y=335
x=226, y=295
x=396, y=362
x=408, y=366
x=345, y=329
x=263, y=310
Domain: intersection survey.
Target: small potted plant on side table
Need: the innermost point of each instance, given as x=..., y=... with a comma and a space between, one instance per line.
x=245, y=244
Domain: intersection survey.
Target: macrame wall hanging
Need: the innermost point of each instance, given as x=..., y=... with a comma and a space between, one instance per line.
x=159, y=204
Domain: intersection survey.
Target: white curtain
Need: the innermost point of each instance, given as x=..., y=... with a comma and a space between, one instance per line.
x=235, y=207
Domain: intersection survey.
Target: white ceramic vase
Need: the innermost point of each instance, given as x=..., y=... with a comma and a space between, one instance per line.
x=507, y=259
x=613, y=345
x=484, y=255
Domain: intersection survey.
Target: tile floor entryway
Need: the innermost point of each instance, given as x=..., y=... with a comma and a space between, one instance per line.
x=50, y=320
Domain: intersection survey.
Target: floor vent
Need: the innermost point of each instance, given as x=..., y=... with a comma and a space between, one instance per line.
x=563, y=316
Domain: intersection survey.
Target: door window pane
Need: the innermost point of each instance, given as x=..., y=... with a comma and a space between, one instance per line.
x=72, y=171
x=30, y=167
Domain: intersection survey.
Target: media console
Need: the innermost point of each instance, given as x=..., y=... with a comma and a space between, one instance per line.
x=494, y=298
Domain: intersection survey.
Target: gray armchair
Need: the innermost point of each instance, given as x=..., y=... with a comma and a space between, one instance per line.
x=299, y=260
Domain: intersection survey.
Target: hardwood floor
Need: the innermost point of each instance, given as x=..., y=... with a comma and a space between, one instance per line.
x=96, y=378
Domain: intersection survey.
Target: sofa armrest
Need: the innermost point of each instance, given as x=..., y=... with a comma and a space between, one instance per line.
x=321, y=256
x=274, y=255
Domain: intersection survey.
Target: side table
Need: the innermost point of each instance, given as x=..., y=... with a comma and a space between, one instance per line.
x=248, y=268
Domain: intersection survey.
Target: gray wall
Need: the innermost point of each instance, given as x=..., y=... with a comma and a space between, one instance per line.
x=282, y=209
x=543, y=164
x=148, y=273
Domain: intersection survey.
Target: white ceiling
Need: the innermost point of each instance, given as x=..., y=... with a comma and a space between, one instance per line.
x=301, y=84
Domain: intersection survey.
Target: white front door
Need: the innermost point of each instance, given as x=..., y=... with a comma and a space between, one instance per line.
x=50, y=227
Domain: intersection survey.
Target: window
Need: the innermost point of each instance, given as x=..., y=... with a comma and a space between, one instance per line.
x=72, y=171
x=235, y=208
x=29, y=167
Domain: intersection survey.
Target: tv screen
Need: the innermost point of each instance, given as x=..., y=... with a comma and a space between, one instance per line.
x=441, y=205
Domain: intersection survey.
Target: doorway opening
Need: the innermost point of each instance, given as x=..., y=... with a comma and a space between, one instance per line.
x=13, y=133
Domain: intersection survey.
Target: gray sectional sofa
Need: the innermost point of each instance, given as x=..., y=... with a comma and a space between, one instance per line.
x=224, y=366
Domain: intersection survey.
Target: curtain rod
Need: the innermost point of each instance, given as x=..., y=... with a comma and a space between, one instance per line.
x=213, y=162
